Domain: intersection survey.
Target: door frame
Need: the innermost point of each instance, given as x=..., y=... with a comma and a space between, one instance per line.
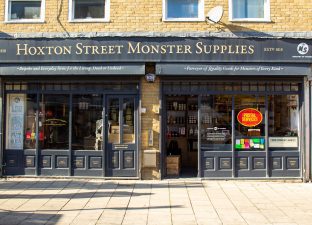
x=110, y=148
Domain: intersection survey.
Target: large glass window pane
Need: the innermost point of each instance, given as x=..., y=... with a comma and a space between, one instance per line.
x=15, y=121
x=216, y=125
x=182, y=9
x=128, y=120
x=53, y=121
x=113, y=121
x=84, y=9
x=248, y=9
x=87, y=122
x=283, y=121
x=25, y=10
x=30, y=122
x=250, y=122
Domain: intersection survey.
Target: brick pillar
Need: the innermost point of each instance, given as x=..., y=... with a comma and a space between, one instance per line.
x=150, y=152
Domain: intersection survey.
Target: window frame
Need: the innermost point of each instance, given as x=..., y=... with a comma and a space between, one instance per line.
x=266, y=17
x=71, y=9
x=7, y=18
x=200, y=18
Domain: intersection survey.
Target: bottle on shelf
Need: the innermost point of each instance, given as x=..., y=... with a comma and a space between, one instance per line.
x=191, y=131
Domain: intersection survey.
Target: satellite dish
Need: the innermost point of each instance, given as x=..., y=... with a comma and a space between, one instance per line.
x=215, y=14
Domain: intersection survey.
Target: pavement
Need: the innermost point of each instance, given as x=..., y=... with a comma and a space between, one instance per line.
x=181, y=202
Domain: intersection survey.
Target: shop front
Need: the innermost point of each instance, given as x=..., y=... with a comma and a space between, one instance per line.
x=234, y=128
x=71, y=128
x=156, y=107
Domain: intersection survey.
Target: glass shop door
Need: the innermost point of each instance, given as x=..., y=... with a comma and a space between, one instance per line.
x=121, y=136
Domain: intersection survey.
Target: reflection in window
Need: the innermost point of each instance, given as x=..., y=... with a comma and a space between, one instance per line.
x=128, y=120
x=30, y=122
x=182, y=9
x=113, y=121
x=24, y=9
x=283, y=121
x=248, y=9
x=250, y=122
x=87, y=122
x=216, y=115
x=53, y=121
x=89, y=9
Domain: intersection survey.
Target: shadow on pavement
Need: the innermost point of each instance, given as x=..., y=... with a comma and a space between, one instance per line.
x=12, y=217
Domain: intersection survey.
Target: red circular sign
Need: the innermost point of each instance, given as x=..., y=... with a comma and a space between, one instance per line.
x=249, y=117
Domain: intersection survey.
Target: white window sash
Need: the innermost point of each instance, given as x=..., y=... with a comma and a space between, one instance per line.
x=266, y=18
x=7, y=18
x=71, y=10
x=201, y=13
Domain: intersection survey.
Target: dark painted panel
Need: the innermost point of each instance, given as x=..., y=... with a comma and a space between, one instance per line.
x=95, y=162
x=242, y=163
x=115, y=159
x=123, y=173
x=128, y=159
x=225, y=163
x=258, y=163
x=30, y=161
x=79, y=162
x=11, y=160
x=217, y=173
x=61, y=162
x=285, y=173
x=292, y=163
x=46, y=161
x=209, y=163
x=276, y=163
x=251, y=173
x=54, y=172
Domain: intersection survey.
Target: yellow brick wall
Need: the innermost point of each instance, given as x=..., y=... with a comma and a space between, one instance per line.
x=150, y=120
x=143, y=15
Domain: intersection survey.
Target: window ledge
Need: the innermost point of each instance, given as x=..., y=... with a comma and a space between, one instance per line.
x=89, y=21
x=184, y=20
x=23, y=21
x=250, y=20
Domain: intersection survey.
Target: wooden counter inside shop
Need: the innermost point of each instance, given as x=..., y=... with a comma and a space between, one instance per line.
x=173, y=165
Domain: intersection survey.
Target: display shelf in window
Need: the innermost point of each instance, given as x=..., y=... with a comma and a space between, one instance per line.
x=176, y=117
x=176, y=105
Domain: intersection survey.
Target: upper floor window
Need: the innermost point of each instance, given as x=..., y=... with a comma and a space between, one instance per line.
x=24, y=10
x=89, y=10
x=250, y=10
x=183, y=10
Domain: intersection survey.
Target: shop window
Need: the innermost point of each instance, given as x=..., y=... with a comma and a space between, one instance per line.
x=21, y=121
x=87, y=128
x=128, y=120
x=25, y=10
x=54, y=121
x=283, y=121
x=250, y=122
x=89, y=10
x=216, y=125
x=113, y=121
x=249, y=10
x=183, y=10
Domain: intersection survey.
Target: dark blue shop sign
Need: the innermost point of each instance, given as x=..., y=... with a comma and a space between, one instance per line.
x=155, y=49
x=73, y=69
x=261, y=69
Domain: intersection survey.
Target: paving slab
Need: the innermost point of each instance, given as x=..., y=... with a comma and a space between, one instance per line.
x=28, y=201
